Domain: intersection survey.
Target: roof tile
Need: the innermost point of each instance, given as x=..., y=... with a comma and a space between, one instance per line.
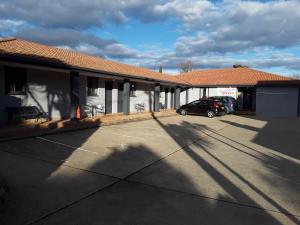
x=229, y=76
x=26, y=50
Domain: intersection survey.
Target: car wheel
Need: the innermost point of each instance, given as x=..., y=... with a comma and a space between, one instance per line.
x=183, y=112
x=210, y=114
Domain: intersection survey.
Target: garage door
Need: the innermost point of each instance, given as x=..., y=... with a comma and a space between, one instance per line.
x=277, y=101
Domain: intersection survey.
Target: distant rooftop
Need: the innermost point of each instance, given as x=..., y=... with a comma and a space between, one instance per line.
x=230, y=76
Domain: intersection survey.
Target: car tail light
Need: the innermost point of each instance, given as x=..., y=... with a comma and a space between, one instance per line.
x=216, y=104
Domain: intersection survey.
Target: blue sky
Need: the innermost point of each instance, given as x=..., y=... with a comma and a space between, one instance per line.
x=212, y=34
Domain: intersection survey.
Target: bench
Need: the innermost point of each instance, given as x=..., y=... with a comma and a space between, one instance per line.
x=93, y=110
x=25, y=112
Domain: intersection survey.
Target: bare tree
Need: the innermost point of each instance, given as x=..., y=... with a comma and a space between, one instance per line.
x=160, y=69
x=186, y=66
x=239, y=66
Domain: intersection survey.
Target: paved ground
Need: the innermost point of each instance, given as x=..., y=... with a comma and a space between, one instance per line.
x=176, y=170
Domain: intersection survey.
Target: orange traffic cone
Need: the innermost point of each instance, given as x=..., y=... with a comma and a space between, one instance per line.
x=78, y=113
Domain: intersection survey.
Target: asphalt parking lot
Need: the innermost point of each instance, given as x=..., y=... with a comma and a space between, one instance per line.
x=176, y=170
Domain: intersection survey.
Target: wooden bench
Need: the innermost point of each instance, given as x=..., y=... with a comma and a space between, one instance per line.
x=25, y=112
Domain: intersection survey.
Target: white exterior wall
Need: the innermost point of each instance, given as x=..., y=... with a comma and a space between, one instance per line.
x=162, y=98
x=47, y=90
x=100, y=99
x=144, y=95
x=211, y=92
x=44, y=92
x=183, y=97
x=115, y=98
x=86, y=100
x=194, y=94
x=169, y=99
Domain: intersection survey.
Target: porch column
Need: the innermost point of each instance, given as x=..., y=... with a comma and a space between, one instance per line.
x=74, y=87
x=166, y=98
x=187, y=96
x=177, y=98
x=126, y=97
x=156, y=97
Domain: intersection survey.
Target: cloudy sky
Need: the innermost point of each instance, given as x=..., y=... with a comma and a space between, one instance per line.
x=212, y=34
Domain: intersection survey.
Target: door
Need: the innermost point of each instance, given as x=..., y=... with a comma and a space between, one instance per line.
x=194, y=107
x=108, y=97
x=203, y=107
x=247, y=100
x=120, y=97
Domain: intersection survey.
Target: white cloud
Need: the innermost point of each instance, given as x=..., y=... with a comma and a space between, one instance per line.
x=9, y=26
x=210, y=30
x=232, y=26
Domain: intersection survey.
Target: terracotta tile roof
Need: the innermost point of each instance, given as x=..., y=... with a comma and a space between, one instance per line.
x=18, y=49
x=229, y=76
x=31, y=52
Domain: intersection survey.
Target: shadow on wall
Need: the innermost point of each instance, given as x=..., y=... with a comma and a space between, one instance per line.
x=49, y=92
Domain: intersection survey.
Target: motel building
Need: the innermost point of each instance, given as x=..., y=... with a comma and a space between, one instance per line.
x=62, y=83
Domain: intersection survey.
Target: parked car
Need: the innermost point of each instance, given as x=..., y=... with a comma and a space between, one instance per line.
x=229, y=102
x=209, y=107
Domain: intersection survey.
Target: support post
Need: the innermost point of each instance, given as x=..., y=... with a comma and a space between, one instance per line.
x=126, y=97
x=187, y=95
x=177, y=98
x=156, y=97
x=74, y=88
x=166, y=98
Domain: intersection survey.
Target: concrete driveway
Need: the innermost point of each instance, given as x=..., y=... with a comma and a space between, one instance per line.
x=175, y=170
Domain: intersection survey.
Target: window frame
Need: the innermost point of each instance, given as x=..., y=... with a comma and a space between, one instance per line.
x=92, y=86
x=16, y=76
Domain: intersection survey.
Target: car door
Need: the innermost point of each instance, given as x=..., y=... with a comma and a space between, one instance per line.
x=203, y=106
x=193, y=107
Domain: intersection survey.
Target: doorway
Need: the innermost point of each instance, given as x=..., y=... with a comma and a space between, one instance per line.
x=248, y=99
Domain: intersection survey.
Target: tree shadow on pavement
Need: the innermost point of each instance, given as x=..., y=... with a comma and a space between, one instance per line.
x=237, y=194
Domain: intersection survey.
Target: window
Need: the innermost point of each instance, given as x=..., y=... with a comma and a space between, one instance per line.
x=132, y=89
x=15, y=81
x=92, y=86
x=203, y=102
x=197, y=102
